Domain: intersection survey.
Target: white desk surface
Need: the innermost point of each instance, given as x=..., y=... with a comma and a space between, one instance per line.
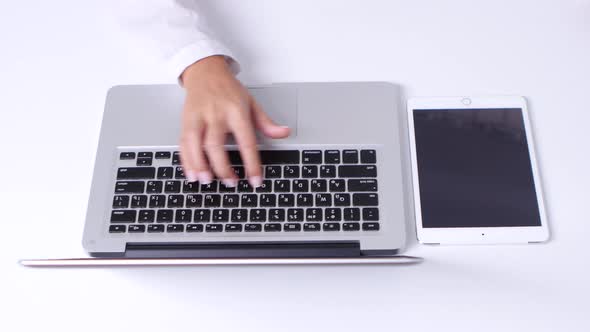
x=59, y=57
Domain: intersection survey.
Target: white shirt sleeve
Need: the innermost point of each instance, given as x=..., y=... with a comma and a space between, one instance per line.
x=173, y=30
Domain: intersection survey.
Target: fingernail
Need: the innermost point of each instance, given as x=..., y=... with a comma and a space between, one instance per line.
x=205, y=177
x=230, y=183
x=192, y=176
x=255, y=181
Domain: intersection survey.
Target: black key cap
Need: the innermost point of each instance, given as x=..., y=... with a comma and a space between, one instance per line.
x=176, y=158
x=174, y=228
x=190, y=187
x=244, y=187
x=350, y=157
x=172, y=186
x=294, y=214
x=352, y=214
x=276, y=215
x=304, y=200
x=362, y=185
x=291, y=172
x=265, y=187
x=268, y=200
x=239, y=215
x=357, y=171
x=312, y=227
x=323, y=200
x=272, y=172
x=328, y=171
x=300, y=186
x=212, y=200
x=145, y=155
x=163, y=155
x=292, y=228
x=286, y=200
x=333, y=214
x=144, y=161
x=272, y=227
x=230, y=201
x=146, y=216
x=183, y=215
x=282, y=186
x=351, y=226
x=165, y=172
x=233, y=228
x=157, y=201
x=365, y=199
x=319, y=185
x=249, y=200
x=258, y=215
x=337, y=185
x=332, y=157
x=370, y=214
x=270, y=157
x=179, y=174
x=312, y=157
x=193, y=201
x=213, y=228
x=154, y=187
x=341, y=199
x=370, y=226
x=309, y=172
x=253, y=227
x=314, y=214
x=209, y=188
x=368, y=156
x=175, y=201
x=155, y=228
x=220, y=215
x=117, y=229
x=225, y=189
x=132, y=173
x=240, y=172
x=234, y=157
x=129, y=187
x=136, y=228
x=331, y=227
x=127, y=155
x=139, y=201
x=164, y=215
x=121, y=201
x=123, y=216
x=194, y=228
x=202, y=215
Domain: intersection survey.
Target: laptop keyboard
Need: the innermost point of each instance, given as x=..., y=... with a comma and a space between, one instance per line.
x=331, y=190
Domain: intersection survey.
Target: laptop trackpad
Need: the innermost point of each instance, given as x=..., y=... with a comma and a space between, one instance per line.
x=280, y=103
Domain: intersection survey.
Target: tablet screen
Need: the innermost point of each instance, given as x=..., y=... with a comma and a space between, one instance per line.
x=474, y=168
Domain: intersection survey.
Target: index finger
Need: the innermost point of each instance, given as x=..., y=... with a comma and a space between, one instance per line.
x=243, y=132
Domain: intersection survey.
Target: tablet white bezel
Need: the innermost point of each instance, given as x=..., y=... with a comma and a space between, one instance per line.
x=476, y=235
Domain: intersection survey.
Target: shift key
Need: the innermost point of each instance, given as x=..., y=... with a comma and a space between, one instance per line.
x=357, y=171
x=365, y=199
x=129, y=187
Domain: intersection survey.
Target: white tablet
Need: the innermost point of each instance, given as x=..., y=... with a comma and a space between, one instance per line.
x=474, y=171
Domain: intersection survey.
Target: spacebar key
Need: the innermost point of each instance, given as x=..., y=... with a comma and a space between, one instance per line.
x=360, y=171
x=365, y=200
x=273, y=157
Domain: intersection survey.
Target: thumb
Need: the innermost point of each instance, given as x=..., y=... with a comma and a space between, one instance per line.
x=264, y=123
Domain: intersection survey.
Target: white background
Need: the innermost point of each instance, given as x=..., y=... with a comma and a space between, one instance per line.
x=57, y=59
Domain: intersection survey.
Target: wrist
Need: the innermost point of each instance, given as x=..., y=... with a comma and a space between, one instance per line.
x=205, y=68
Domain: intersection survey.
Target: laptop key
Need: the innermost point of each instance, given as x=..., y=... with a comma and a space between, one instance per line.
x=133, y=173
x=327, y=171
x=239, y=215
x=202, y=215
x=139, y=201
x=268, y=200
x=319, y=185
x=212, y=200
x=351, y=226
x=127, y=155
x=230, y=201
x=176, y=158
x=370, y=226
x=190, y=187
x=265, y=187
x=370, y=214
x=352, y=214
x=362, y=185
x=300, y=186
x=136, y=228
x=291, y=172
x=337, y=185
x=157, y=201
x=233, y=227
x=155, y=228
x=331, y=227
x=163, y=155
x=323, y=200
x=276, y=215
x=253, y=227
x=295, y=214
x=332, y=157
x=164, y=215
x=165, y=172
x=279, y=157
x=146, y=216
x=258, y=215
x=341, y=199
x=194, y=200
x=272, y=172
x=368, y=156
x=312, y=227
x=183, y=215
x=272, y=227
x=240, y=172
x=309, y=171
x=121, y=201
x=314, y=214
x=175, y=201
x=213, y=228
x=221, y=215
x=209, y=188
x=174, y=228
x=172, y=187
x=249, y=200
x=365, y=199
x=194, y=228
x=333, y=214
x=286, y=200
x=282, y=186
x=117, y=229
x=145, y=155
x=244, y=187
x=225, y=189
x=123, y=216
x=129, y=187
x=312, y=156
x=154, y=187
x=357, y=171
x=179, y=174
x=304, y=200
x=144, y=161
x=292, y=227
x=350, y=156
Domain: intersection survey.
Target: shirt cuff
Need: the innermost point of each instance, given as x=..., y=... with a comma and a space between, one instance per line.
x=197, y=51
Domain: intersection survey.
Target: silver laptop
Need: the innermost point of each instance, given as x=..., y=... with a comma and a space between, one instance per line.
x=334, y=188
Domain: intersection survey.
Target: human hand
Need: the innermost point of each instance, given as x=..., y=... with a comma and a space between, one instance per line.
x=217, y=104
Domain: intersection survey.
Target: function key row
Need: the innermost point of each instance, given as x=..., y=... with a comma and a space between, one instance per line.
x=229, y=228
x=271, y=157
